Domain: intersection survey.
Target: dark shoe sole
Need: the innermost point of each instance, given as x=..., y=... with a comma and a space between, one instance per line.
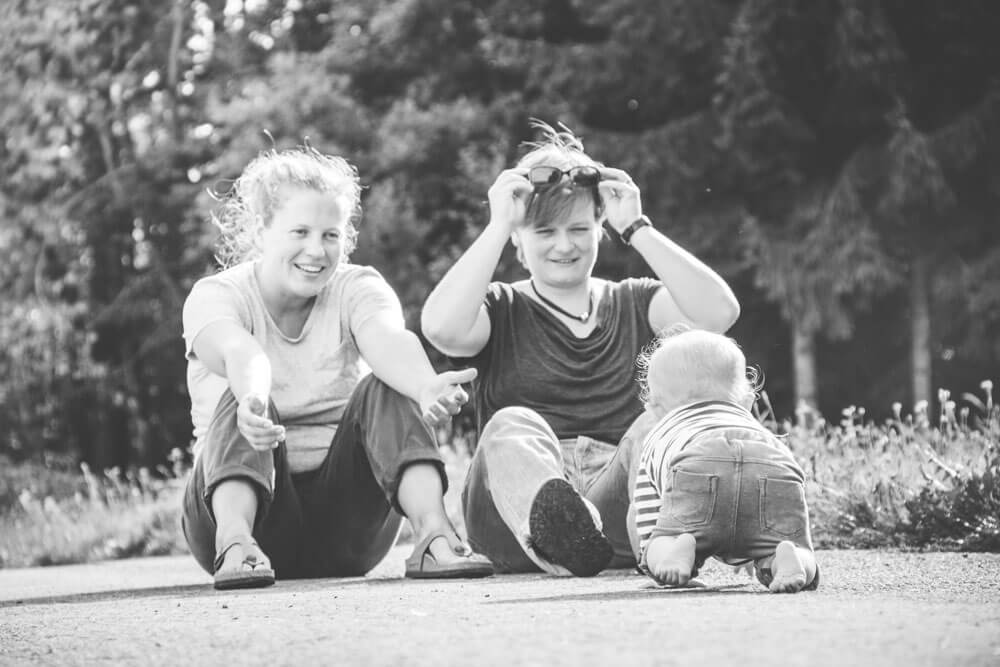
x=563, y=531
x=244, y=579
x=470, y=572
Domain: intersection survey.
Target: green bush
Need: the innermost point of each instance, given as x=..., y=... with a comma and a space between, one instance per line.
x=903, y=483
x=60, y=518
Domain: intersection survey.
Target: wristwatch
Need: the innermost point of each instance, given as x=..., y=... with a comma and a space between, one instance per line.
x=626, y=234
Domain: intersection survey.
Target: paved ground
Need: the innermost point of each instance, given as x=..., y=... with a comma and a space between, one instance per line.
x=873, y=608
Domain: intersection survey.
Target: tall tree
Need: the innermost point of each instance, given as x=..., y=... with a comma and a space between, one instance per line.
x=825, y=110
x=103, y=110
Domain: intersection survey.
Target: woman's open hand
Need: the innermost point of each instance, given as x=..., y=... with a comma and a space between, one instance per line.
x=252, y=421
x=443, y=397
x=508, y=197
x=622, y=204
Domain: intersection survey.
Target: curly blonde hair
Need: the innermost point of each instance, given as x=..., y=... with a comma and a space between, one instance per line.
x=249, y=205
x=713, y=367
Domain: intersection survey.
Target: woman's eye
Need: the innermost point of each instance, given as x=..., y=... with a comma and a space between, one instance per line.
x=298, y=232
x=332, y=236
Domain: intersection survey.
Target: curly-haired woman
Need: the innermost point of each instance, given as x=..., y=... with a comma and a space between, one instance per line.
x=312, y=404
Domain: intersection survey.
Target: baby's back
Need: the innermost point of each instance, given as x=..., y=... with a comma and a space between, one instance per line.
x=713, y=471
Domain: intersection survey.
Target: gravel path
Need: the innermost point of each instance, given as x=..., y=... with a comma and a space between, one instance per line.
x=873, y=608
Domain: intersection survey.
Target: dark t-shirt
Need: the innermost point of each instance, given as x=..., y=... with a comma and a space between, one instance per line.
x=581, y=386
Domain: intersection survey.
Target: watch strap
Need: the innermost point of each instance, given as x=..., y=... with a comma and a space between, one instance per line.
x=626, y=234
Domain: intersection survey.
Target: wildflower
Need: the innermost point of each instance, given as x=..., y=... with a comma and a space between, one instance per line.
x=897, y=410
x=948, y=413
x=27, y=500
x=920, y=407
x=943, y=395
x=50, y=506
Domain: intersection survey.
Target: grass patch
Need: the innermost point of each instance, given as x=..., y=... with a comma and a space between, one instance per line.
x=903, y=483
x=52, y=516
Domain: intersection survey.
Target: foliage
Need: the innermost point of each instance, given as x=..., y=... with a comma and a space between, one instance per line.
x=904, y=482
x=811, y=151
x=59, y=518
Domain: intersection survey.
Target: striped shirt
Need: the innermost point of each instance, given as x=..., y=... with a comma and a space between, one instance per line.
x=668, y=438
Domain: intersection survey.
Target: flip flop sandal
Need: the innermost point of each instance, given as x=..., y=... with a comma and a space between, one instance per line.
x=423, y=565
x=563, y=530
x=256, y=577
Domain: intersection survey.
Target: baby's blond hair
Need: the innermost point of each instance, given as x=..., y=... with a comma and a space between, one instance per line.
x=687, y=365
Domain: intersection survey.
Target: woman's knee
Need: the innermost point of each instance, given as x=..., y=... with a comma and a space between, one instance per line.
x=513, y=438
x=371, y=388
x=373, y=399
x=514, y=420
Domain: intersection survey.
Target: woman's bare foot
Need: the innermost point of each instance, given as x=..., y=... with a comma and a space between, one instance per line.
x=244, y=556
x=671, y=559
x=792, y=568
x=240, y=563
x=445, y=552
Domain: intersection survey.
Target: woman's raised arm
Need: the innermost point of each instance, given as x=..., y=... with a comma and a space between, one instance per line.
x=454, y=318
x=693, y=293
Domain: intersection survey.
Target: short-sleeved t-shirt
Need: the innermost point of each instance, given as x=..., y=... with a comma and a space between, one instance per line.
x=581, y=386
x=313, y=374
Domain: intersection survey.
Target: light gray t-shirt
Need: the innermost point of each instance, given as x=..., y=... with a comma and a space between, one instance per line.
x=313, y=374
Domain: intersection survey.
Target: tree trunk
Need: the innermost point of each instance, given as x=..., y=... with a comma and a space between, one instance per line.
x=804, y=364
x=920, y=333
x=173, y=66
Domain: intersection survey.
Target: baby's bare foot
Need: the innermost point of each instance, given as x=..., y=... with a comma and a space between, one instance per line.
x=671, y=559
x=788, y=570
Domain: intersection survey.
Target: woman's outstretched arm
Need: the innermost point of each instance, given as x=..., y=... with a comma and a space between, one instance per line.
x=228, y=350
x=397, y=357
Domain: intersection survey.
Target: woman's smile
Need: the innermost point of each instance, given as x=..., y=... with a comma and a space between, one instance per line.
x=309, y=268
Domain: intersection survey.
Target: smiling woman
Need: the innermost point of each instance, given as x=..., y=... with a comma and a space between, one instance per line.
x=305, y=246
x=301, y=453
x=556, y=396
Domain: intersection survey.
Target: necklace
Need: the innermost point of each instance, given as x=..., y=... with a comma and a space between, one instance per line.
x=582, y=317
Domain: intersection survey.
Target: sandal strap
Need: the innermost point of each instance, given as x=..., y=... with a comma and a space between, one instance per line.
x=220, y=557
x=423, y=550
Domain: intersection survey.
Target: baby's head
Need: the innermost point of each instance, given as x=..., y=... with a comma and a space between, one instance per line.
x=688, y=365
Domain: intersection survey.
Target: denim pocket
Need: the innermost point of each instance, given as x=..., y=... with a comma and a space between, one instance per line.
x=692, y=497
x=782, y=507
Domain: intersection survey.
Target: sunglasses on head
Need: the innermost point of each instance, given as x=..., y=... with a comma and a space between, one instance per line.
x=545, y=177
